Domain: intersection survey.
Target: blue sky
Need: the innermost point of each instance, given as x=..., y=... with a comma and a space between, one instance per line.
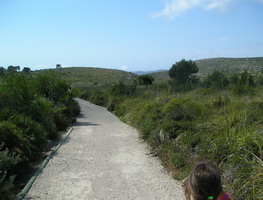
x=127, y=34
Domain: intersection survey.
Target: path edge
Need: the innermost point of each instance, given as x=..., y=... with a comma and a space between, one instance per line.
x=29, y=184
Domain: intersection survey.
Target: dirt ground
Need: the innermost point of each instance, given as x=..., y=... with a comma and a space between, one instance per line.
x=103, y=158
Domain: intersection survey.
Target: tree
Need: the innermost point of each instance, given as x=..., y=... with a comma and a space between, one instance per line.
x=146, y=80
x=12, y=68
x=27, y=70
x=182, y=71
x=58, y=66
x=2, y=71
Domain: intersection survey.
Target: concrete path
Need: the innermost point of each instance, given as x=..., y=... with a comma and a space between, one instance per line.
x=103, y=159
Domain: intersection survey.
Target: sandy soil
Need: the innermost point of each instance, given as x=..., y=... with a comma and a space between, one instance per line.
x=104, y=159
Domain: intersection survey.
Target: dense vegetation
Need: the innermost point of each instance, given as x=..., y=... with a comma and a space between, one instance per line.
x=218, y=117
x=32, y=112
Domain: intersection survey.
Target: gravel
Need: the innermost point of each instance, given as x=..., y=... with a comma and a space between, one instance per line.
x=103, y=158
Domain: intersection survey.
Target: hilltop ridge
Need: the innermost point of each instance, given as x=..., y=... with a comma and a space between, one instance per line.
x=93, y=76
x=227, y=65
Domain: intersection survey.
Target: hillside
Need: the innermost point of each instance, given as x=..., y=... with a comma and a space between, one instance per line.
x=148, y=72
x=89, y=76
x=228, y=65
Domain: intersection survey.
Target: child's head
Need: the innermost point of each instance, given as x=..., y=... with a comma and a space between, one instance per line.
x=203, y=182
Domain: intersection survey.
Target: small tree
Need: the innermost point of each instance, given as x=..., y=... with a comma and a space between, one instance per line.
x=12, y=68
x=146, y=80
x=27, y=70
x=181, y=71
x=58, y=66
x=2, y=71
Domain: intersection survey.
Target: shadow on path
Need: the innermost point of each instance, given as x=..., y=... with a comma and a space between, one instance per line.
x=81, y=116
x=85, y=124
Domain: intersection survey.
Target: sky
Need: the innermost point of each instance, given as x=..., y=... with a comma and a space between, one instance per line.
x=130, y=35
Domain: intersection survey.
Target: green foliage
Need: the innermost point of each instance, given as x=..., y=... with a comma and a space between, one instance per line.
x=181, y=71
x=42, y=111
x=7, y=162
x=201, y=124
x=121, y=89
x=12, y=68
x=244, y=84
x=228, y=66
x=100, y=98
x=145, y=80
x=85, y=94
x=236, y=144
x=6, y=187
x=2, y=71
x=179, y=109
x=16, y=93
x=246, y=79
x=34, y=132
x=26, y=70
x=32, y=110
x=216, y=80
x=51, y=86
x=178, y=159
x=219, y=120
x=83, y=77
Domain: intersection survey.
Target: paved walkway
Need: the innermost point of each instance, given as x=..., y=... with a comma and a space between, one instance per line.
x=103, y=159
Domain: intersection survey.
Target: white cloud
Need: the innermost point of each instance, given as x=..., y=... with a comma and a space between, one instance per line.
x=175, y=8
x=217, y=4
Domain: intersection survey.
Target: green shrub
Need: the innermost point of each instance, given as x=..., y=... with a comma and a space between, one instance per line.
x=42, y=111
x=99, y=98
x=178, y=159
x=71, y=105
x=14, y=140
x=217, y=80
x=34, y=133
x=85, y=94
x=6, y=187
x=60, y=119
x=112, y=104
x=243, y=89
x=172, y=129
x=31, y=112
x=16, y=93
x=147, y=117
x=182, y=109
x=50, y=85
x=121, y=89
x=7, y=162
x=145, y=80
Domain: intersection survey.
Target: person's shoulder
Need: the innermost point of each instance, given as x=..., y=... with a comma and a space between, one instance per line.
x=224, y=196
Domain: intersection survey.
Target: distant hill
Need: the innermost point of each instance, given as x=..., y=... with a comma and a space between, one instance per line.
x=89, y=76
x=227, y=65
x=148, y=72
